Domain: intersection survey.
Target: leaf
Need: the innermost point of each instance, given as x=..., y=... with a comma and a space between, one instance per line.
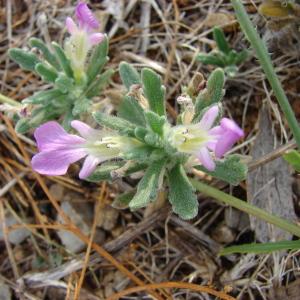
x=269, y=186
x=98, y=59
x=142, y=154
x=122, y=201
x=221, y=41
x=99, y=83
x=63, y=60
x=47, y=54
x=262, y=248
x=241, y=56
x=154, y=91
x=274, y=9
x=104, y=171
x=64, y=83
x=293, y=158
x=47, y=72
x=155, y=122
x=213, y=93
x=43, y=96
x=23, y=126
x=129, y=75
x=113, y=122
x=211, y=59
x=148, y=186
x=131, y=111
x=181, y=196
x=81, y=105
x=26, y=60
x=231, y=170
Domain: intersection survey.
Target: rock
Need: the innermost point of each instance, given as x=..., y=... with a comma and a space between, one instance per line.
x=81, y=215
x=107, y=217
x=5, y=293
x=15, y=236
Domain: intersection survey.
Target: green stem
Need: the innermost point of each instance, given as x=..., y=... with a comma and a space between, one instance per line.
x=5, y=99
x=246, y=207
x=265, y=61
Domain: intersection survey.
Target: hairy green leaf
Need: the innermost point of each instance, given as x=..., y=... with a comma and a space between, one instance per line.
x=47, y=72
x=182, y=197
x=64, y=83
x=98, y=59
x=154, y=91
x=211, y=59
x=220, y=39
x=231, y=170
x=293, y=158
x=131, y=111
x=155, y=122
x=129, y=75
x=148, y=186
x=43, y=96
x=62, y=59
x=26, y=60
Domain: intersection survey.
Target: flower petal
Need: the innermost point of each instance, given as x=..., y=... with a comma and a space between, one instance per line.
x=56, y=162
x=71, y=26
x=209, y=118
x=88, y=132
x=51, y=136
x=89, y=165
x=86, y=17
x=232, y=133
x=205, y=158
x=96, y=38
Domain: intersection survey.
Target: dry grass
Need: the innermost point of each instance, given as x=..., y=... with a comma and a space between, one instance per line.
x=136, y=251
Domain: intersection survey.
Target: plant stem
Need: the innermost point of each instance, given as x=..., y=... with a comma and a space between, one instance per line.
x=265, y=61
x=5, y=99
x=246, y=207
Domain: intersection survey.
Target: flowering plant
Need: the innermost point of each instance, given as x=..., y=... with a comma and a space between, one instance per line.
x=74, y=72
x=140, y=138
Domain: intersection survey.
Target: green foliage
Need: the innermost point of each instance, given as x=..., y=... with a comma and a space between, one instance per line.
x=131, y=111
x=148, y=186
x=224, y=57
x=231, y=170
x=212, y=94
x=293, y=158
x=64, y=62
x=26, y=60
x=47, y=53
x=262, y=248
x=113, y=122
x=154, y=91
x=155, y=122
x=122, y=201
x=129, y=75
x=47, y=72
x=182, y=197
x=98, y=60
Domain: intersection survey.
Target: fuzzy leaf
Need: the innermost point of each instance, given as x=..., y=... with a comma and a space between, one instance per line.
x=43, y=96
x=63, y=60
x=99, y=83
x=231, y=170
x=129, y=75
x=293, y=158
x=211, y=59
x=154, y=91
x=81, y=105
x=47, y=54
x=155, y=122
x=47, y=72
x=213, y=93
x=26, y=60
x=142, y=154
x=181, y=196
x=64, y=83
x=23, y=126
x=148, y=186
x=131, y=111
x=122, y=201
x=98, y=59
x=221, y=41
x=113, y=122
x=242, y=56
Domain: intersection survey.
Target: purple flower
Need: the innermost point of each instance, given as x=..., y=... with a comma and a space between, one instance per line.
x=204, y=141
x=87, y=23
x=58, y=149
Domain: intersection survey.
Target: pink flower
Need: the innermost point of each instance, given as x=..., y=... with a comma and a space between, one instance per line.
x=58, y=149
x=86, y=23
x=204, y=141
